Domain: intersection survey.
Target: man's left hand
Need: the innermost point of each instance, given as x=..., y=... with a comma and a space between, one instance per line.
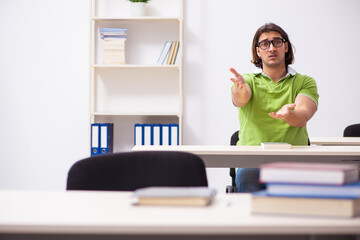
x=283, y=112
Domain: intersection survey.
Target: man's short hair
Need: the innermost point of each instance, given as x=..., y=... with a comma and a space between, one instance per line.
x=271, y=27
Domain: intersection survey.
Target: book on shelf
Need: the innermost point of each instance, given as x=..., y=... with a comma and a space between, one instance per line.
x=114, y=51
x=173, y=57
x=350, y=190
x=164, y=52
x=176, y=52
x=275, y=145
x=171, y=52
x=112, y=32
x=174, y=196
x=308, y=172
x=322, y=207
x=113, y=44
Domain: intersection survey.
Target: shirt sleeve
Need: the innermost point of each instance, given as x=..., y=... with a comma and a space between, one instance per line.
x=309, y=89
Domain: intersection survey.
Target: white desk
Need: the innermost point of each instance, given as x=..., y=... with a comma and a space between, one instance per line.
x=253, y=156
x=74, y=213
x=335, y=141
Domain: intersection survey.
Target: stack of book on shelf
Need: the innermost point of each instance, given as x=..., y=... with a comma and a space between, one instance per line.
x=156, y=134
x=309, y=189
x=102, y=138
x=174, y=196
x=113, y=45
x=169, y=53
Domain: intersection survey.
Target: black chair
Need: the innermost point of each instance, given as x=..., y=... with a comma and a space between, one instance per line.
x=232, y=188
x=129, y=171
x=352, y=131
x=233, y=140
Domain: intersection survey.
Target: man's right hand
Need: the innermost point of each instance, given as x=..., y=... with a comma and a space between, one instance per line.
x=238, y=80
x=241, y=92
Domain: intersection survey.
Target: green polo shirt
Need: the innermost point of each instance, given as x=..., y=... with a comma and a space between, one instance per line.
x=256, y=126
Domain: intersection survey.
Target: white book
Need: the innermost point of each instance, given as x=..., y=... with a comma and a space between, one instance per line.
x=309, y=172
x=275, y=145
x=164, y=53
x=174, y=196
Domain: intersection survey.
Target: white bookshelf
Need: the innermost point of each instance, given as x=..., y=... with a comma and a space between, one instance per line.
x=140, y=91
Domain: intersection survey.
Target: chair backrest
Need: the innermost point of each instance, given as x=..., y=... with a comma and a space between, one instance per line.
x=129, y=171
x=352, y=131
x=233, y=140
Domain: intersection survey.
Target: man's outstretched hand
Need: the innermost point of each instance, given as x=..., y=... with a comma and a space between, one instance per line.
x=283, y=112
x=238, y=80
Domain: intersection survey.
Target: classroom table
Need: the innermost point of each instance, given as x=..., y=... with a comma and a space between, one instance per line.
x=253, y=156
x=335, y=141
x=111, y=215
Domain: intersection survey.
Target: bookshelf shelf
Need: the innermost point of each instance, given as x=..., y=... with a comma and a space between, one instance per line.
x=135, y=114
x=137, y=19
x=140, y=91
x=136, y=66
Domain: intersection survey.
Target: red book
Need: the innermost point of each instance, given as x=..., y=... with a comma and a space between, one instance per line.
x=313, y=173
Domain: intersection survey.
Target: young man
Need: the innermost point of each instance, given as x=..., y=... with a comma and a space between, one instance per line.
x=275, y=103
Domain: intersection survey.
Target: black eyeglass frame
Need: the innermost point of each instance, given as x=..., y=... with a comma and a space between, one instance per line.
x=272, y=42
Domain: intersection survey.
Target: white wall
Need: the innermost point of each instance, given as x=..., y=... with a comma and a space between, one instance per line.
x=44, y=91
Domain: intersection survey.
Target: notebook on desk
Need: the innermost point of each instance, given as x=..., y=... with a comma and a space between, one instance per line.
x=174, y=196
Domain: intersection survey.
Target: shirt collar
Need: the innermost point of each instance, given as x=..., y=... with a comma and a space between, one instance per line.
x=290, y=71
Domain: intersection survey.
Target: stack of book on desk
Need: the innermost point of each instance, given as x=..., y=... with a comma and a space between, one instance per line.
x=310, y=189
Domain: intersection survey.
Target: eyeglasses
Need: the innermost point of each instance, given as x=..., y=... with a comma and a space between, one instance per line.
x=276, y=42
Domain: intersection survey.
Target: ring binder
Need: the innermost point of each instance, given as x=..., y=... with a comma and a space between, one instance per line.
x=106, y=137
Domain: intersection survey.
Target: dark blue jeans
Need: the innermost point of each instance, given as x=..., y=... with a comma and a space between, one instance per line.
x=247, y=180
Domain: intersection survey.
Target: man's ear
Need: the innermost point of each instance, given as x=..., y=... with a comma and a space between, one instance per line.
x=286, y=47
x=258, y=51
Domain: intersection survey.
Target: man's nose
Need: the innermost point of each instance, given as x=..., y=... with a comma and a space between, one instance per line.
x=272, y=47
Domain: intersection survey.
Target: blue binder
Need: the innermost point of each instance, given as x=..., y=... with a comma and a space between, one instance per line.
x=165, y=134
x=147, y=134
x=106, y=138
x=95, y=139
x=156, y=134
x=138, y=134
x=174, y=134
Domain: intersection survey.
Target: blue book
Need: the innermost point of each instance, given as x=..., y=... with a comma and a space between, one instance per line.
x=164, y=52
x=121, y=30
x=263, y=203
x=112, y=32
x=350, y=190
